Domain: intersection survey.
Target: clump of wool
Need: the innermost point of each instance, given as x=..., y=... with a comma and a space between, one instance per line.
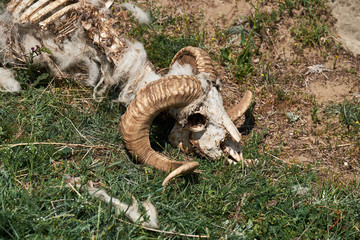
x=8, y=82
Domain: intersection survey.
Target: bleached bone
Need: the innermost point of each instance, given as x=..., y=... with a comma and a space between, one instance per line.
x=192, y=96
x=131, y=211
x=43, y=24
x=32, y=10
x=12, y=5
x=20, y=6
x=43, y=11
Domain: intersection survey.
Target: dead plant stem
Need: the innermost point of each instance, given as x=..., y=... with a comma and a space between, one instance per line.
x=165, y=232
x=54, y=143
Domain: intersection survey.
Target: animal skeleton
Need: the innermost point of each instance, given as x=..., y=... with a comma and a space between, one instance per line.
x=191, y=96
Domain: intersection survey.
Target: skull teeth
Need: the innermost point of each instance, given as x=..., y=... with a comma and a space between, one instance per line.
x=234, y=155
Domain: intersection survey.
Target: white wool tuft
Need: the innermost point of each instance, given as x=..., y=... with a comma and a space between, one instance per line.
x=132, y=62
x=7, y=28
x=134, y=67
x=3, y=37
x=8, y=82
x=73, y=52
x=102, y=5
x=96, y=3
x=94, y=72
x=141, y=16
x=75, y=55
x=178, y=69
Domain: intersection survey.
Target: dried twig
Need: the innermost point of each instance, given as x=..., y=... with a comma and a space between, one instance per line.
x=336, y=146
x=74, y=189
x=54, y=143
x=165, y=232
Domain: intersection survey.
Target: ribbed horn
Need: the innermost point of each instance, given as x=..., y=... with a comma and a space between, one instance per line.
x=239, y=109
x=154, y=98
x=198, y=59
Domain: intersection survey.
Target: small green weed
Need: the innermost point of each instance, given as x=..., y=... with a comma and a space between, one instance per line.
x=315, y=112
x=310, y=33
x=239, y=61
x=310, y=8
x=348, y=113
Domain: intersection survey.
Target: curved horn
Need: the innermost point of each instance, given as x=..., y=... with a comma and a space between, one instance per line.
x=239, y=109
x=156, y=97
x=198, y=59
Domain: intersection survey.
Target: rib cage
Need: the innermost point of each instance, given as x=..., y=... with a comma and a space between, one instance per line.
x=63, y=17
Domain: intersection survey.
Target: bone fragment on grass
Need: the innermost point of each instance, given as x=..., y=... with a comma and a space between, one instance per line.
x=318, y=68
x=299, y=190
x=131, y=211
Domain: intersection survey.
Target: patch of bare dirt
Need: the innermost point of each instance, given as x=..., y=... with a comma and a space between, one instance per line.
x=330, y=91
x=215, y=13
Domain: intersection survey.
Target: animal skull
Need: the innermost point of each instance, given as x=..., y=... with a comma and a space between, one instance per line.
x=202, y=124
x=190, y=92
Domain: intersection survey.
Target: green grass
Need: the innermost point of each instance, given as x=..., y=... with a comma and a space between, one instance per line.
x=164, y=38
x=348, y=113
x=310, y=32
x=270, y=200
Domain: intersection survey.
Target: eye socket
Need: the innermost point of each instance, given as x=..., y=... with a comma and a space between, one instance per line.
x=196, y=122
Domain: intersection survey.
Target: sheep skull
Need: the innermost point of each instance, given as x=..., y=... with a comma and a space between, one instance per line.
x=202, y=124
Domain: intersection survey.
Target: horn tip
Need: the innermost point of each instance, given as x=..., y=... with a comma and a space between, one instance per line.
x=184, y=169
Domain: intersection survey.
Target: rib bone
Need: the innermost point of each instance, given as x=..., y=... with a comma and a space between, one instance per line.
x=58, y=14
x=20, y=7
x=46, y=10
x=32, y=10
x=12, y=5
